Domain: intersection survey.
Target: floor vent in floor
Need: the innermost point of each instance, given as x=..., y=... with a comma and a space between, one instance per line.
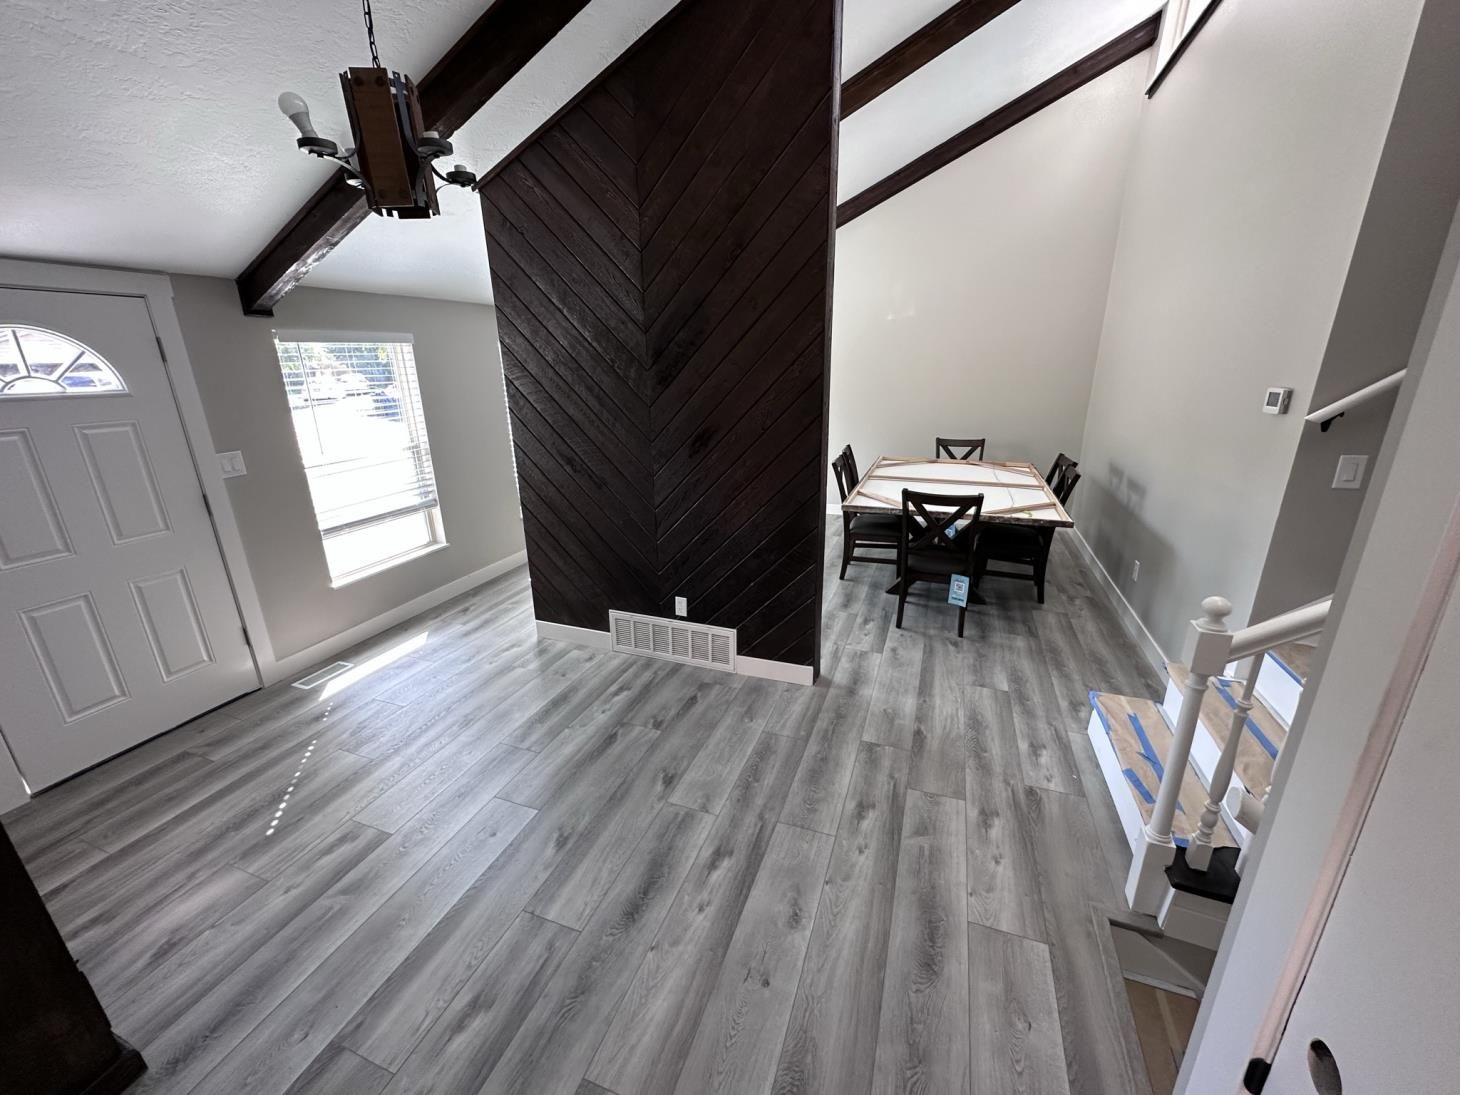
x=673, y=640
x=328, y=673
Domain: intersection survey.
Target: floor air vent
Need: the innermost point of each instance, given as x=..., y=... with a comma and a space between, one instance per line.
x=328, y=673
x=673, y=640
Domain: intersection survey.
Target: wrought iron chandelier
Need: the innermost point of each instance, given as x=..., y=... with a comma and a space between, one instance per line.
x=394, y=157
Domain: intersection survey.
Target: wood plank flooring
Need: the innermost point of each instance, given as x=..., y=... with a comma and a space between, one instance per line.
x=477, y=862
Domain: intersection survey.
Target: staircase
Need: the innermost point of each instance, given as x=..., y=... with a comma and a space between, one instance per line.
x=1189, y=775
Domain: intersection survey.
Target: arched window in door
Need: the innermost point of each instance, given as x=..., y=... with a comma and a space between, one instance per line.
x=34, y=361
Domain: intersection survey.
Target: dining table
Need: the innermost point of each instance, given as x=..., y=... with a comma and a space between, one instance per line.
x=1014, y=493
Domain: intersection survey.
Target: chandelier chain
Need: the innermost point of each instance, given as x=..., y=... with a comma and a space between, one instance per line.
x=370, y=32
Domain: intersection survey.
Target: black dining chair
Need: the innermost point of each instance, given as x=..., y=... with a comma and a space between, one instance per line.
x=1021, y=545
x=868, y=530
x=1057, y=478
x=932, y=548
x=958, y=448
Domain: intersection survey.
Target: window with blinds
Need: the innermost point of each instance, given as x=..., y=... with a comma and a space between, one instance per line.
x=357, y=416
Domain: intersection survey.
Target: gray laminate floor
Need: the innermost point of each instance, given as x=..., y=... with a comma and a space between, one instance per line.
x=483, y=863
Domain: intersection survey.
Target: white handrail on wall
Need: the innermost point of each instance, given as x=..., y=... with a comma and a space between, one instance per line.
x=1210, y=647
x=1353, y=399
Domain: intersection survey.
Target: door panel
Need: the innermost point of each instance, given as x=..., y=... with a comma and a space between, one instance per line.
x=122, y=475
x=30, y=524
x=117, y=621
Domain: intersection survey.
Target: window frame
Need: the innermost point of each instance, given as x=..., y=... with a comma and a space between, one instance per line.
x=430, y=510
x=1178, y=30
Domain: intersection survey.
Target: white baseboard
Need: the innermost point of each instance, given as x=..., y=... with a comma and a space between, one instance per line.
x=1134, y=626
x=746, y=667
x=580, y=636
x=773, y=671
x=292, y=663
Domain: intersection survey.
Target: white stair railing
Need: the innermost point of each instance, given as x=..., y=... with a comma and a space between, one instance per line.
x=1210, y=648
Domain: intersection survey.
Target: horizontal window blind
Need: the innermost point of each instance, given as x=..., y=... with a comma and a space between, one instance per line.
x=357, y=414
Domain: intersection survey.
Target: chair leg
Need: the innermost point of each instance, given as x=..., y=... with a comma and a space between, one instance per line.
x=962, y=615
x=1039, y=578
x=902, y=585
x=846, y=556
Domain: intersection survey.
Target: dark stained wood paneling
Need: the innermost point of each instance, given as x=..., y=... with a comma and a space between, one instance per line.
x=1115, y=52
x=660, y=256
x=940, y=33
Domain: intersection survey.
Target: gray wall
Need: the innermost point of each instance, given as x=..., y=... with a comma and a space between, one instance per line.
x=1249, y=181
x=1388, y=282
x=979, y=292
x=243, y=393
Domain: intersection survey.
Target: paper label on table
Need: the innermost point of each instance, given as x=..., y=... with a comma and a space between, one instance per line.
x=958, y=590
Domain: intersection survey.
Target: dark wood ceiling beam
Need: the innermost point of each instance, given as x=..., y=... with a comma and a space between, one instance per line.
x=495, y=48
x=913, y=52
x=1114, y=53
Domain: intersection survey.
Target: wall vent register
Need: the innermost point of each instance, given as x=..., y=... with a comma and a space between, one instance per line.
x=357, y=413
x=673, y=640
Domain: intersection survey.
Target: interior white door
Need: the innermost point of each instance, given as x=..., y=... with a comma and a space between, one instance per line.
x=1381, y=994
x=117, y=621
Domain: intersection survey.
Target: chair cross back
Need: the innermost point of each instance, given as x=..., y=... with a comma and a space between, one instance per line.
x=958, y=448
x=935, y=534
x=844, y=467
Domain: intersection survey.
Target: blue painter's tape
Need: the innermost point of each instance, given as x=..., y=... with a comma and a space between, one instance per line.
x=1147, y=749
x=1252, y=728
x=1135, y=781
x=1099, y=711
x=1286, y=668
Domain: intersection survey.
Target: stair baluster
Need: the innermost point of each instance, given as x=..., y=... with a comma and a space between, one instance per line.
x=1199, y=851
x=1209, y=646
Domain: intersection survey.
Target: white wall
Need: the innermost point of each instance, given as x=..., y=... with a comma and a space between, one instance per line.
x=460, y=373
x=1243, y=204
x=971, y=303
x=1404, y=517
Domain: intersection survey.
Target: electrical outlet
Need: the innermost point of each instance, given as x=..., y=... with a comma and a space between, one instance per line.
x=1135, y=571
x=681, y=606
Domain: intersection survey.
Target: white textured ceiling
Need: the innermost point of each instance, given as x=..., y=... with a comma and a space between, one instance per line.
x=143, y=133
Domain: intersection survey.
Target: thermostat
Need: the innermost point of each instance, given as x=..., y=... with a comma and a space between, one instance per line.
x=1277, y=401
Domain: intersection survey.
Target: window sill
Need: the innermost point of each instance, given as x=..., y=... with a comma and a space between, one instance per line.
x=387, y=564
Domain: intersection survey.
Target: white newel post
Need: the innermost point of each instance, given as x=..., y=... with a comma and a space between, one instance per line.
x=1199, y=852
x=1208, y=646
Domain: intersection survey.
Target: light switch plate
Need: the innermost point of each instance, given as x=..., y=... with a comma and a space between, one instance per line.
x=681, y=606
x=231, y=464
x=1349, y=475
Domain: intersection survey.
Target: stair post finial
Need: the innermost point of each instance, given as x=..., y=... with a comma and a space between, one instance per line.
x=1217, y=610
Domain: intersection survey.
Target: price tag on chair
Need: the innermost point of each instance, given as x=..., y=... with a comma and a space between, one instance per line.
x=958, y=590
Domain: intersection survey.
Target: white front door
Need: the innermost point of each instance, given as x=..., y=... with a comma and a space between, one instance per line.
x=117, y=621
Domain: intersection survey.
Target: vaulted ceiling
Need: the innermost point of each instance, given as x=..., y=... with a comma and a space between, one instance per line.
x=143, y=133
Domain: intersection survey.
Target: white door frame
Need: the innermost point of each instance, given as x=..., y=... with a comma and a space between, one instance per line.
x=156, y=292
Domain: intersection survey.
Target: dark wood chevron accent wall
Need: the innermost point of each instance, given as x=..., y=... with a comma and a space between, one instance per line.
x=661, y=261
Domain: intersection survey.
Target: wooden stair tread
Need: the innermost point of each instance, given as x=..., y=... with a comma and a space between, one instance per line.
x=1126, y=719
x=1257, y=752
x=1297, y=656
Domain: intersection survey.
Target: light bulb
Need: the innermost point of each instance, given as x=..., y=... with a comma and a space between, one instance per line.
x=297, y=111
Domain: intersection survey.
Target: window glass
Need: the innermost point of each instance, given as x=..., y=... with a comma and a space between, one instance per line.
x=357, y=414
x=34, y=361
